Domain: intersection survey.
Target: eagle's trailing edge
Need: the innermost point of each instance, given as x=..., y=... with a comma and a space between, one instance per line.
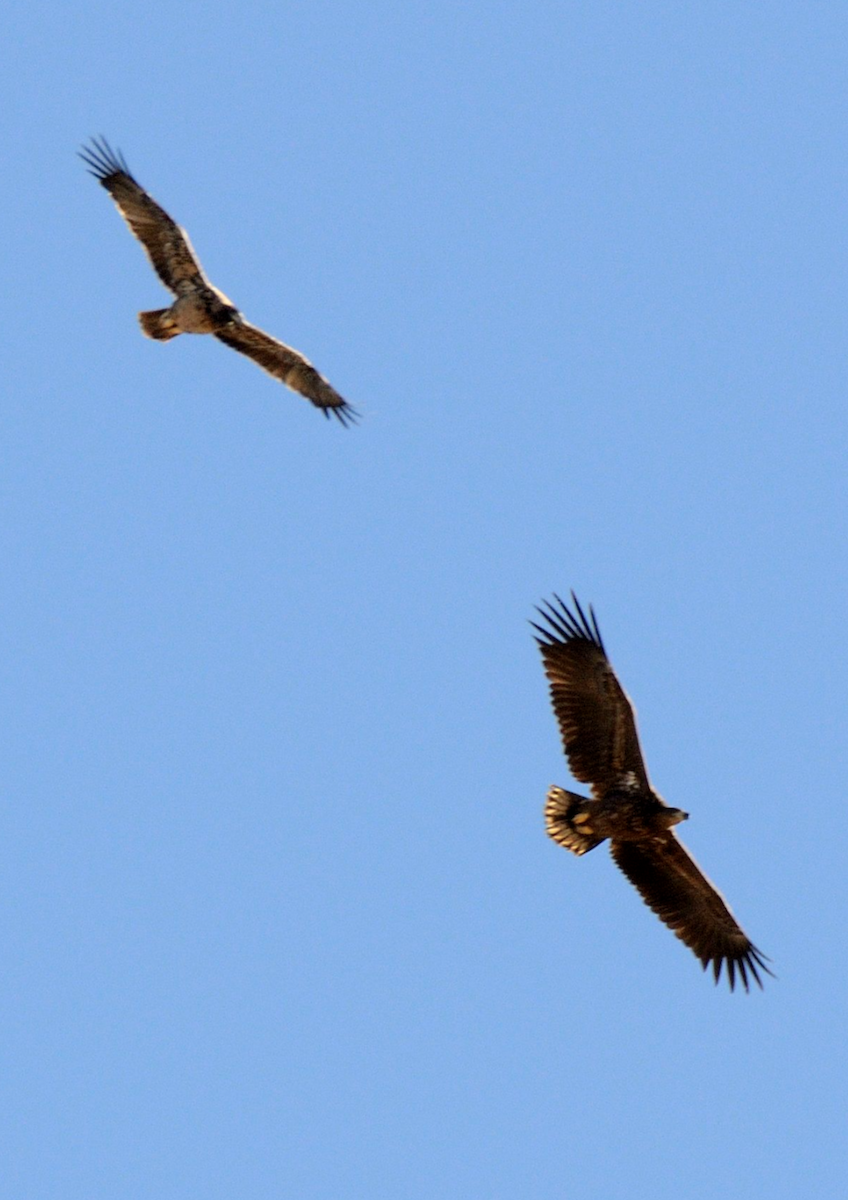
x=598, y=728
x=199, y=306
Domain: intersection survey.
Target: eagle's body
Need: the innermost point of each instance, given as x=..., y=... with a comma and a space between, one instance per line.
x=204, y=310
x=200, y=307
x=626, y=813
x=598, y=728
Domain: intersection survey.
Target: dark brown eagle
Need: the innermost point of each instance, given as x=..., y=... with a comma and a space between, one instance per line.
x=598, y=727
x=199, y=307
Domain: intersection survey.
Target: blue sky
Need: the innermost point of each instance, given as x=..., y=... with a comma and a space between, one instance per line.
x=277, y=912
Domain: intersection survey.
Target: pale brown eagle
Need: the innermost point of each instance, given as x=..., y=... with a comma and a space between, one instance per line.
x=200, y=307
x=598, y=727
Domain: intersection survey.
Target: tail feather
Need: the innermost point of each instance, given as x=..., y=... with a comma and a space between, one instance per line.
x=158, y=324
x=561, y=809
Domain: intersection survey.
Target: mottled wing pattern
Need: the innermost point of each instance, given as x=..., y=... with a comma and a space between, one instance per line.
x=289, y=366
x=166, y=245
x=595, y=716
x=673, y=886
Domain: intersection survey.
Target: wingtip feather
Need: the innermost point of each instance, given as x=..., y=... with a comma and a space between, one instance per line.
x=567, y=625
x=101, y=160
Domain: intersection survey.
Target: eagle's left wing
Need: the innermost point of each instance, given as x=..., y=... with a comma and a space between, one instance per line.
x=166, y=245
x=672, y=884
x=593, y=710
x=287, y=365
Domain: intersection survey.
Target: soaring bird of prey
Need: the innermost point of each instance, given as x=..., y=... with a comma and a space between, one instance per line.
x=199, y=307
x=598, y=727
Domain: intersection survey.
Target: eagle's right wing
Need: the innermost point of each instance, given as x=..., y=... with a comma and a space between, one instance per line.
x=671, y=883
x=594, y=713
x=166, y=245
x=287, y=365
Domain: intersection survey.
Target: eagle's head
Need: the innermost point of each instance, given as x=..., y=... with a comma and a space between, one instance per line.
x=673, y=816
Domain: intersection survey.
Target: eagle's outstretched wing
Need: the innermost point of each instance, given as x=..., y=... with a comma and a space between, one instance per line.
x=166, y=245
x=672, y=884
x=287, y=365
x=595, y=716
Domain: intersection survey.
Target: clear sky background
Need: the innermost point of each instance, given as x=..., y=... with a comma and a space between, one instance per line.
x=278, y=917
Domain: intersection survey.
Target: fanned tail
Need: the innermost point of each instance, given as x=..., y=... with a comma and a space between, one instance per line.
x=158, y=324
x=567, y=815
